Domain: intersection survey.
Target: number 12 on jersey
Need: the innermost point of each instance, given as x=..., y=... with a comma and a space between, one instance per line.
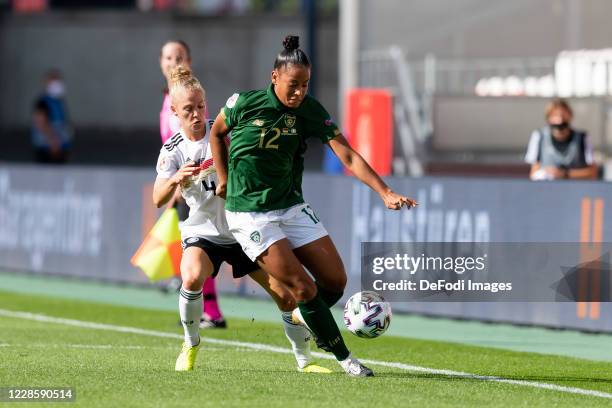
x=269, y=144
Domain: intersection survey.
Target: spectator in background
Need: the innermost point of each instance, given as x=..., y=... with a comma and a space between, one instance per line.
x=557, y=151
x=51, y=132
x=174, y=53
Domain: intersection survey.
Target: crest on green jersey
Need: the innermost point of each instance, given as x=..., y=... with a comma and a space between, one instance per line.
x=289, y=120
x=255, y=237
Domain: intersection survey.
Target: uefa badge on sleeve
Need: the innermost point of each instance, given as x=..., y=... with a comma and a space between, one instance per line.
x=164, y=164
x=231, y=101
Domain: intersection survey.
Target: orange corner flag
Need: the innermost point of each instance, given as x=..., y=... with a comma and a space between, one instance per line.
x=159, y=255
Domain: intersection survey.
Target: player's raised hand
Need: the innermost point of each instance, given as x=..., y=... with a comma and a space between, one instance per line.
x=394, y=201
x=221, y=190
x=185, y=172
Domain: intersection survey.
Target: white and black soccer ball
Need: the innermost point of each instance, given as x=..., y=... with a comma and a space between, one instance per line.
x=367, y=315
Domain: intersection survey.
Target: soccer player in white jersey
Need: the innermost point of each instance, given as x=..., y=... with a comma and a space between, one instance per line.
x=172, y=54
x=186, y=160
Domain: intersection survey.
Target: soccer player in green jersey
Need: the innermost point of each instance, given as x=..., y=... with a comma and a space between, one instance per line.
x=261, y=179
x=185, y=163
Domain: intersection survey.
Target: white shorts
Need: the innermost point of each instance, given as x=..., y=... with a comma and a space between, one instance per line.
x=256, y=231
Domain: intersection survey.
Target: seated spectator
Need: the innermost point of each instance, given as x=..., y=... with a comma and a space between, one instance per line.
x=557, y=151
x=51, y=134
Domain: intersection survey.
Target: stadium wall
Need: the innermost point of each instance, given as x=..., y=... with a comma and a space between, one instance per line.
x=110, y=61
x=87, y=222
x=485, y=28
x=506, y=124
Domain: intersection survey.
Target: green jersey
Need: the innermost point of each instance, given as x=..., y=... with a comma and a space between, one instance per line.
x=266, y=158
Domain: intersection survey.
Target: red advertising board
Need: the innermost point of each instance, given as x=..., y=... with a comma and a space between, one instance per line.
x=29, y=6
x=369, y=126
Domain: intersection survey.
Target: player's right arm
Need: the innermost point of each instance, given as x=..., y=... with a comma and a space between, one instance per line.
x=225, y=121
x=169, y=179
x=218, y=135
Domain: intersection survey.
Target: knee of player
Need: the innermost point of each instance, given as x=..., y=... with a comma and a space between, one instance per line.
x=338, y=283
x=286, y=302
x=192, y=276
x=304, y=290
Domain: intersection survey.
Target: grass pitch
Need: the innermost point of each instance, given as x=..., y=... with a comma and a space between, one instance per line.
x=134, y=368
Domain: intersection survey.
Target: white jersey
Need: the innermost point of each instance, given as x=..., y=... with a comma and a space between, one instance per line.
x=206, y=210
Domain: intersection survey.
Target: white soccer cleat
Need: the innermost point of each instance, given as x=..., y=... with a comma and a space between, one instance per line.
x=354, y=368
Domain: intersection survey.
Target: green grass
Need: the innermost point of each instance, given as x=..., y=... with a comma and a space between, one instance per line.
x=121, y=369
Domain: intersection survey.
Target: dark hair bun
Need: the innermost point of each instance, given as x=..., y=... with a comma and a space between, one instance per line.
x=291, y=42
x=291, y=54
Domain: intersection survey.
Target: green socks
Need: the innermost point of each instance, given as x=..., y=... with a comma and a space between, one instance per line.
x=330, y=298
x=319, y=319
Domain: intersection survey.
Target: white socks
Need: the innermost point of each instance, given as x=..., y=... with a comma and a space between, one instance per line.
x=346, y=361
x=190, y=310
x=299, y=338
x=296, y=317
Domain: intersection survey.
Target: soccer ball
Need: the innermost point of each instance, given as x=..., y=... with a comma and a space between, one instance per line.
x=367, y=315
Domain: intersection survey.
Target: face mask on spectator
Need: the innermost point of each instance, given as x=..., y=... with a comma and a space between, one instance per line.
x=56, y=88
x=560, y=126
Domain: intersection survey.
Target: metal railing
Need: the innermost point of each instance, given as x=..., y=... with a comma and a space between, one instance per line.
x=415, y=82
x=389, y=69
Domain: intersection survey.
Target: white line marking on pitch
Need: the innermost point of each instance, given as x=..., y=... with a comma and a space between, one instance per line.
x=112, y=347
x=274, y=349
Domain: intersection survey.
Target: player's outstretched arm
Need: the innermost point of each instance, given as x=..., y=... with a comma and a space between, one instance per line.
x=218, y=135
x=362, y=170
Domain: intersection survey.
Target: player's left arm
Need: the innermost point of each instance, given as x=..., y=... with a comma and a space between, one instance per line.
x=362, y=170
x=165, y=187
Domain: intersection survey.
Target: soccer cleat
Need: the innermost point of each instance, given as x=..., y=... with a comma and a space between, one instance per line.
x=186, y=359
x=354, y=368
x=206, y=323
x=313, y=368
